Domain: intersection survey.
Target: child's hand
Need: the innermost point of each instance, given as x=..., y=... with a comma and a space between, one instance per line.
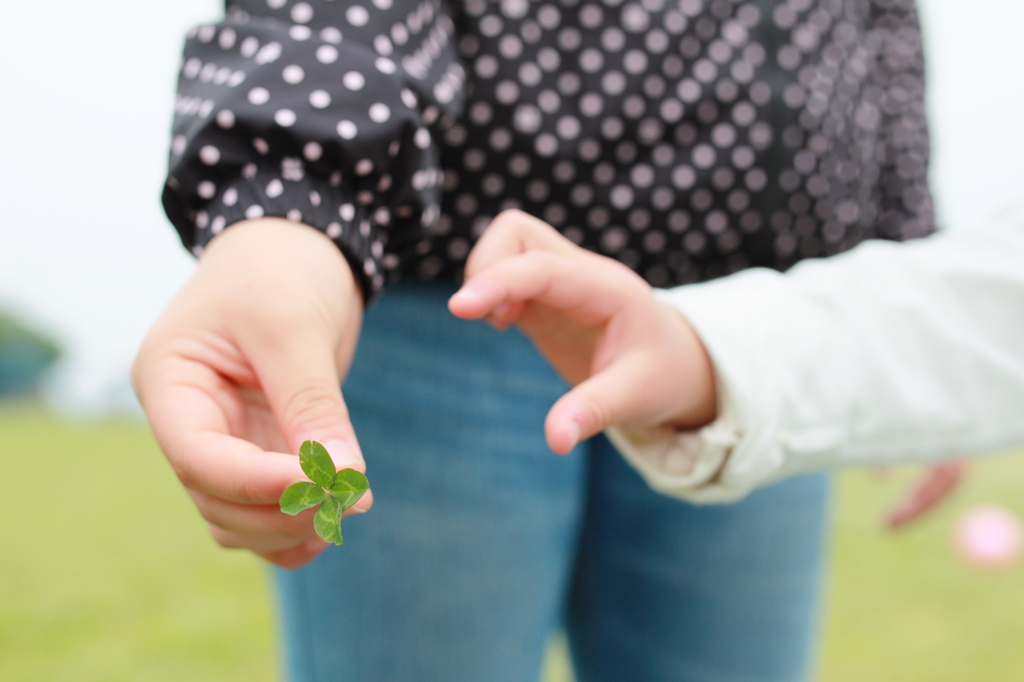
x=245, y=365
x=631, y=358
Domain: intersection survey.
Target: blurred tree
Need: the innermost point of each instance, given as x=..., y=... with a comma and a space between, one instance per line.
x=24, y=355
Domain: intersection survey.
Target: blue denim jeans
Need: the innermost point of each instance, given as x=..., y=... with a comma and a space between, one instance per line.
x=481, y=541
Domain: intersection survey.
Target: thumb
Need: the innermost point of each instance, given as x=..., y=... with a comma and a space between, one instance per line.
x=616, y=394
x=302, y=384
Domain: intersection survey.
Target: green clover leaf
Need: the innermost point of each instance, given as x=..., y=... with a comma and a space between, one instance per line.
x=301, y=496
x=317, y=463
x=328, y=520
x=349, y=486
x=334, y=492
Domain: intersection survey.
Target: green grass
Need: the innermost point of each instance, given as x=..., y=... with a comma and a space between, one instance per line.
x=902, y=607
x=106, y=570
x=91, y=592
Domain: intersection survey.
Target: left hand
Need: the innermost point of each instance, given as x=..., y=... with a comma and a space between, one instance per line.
x=630, y=358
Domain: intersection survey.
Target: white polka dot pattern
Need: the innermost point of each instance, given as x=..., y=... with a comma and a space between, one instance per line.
x=267, y=123
x=685, y=138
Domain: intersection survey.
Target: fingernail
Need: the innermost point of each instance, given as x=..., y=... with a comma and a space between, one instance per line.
x=313, y=545
x=573, y=430
x=501, y=312
x=343, y=454
x=468, y=292
x=357, y=509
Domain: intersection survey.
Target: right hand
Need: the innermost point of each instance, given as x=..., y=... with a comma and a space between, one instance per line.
x=243, y=366
x=630, y=358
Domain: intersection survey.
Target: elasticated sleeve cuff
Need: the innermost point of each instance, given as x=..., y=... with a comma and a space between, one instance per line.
x=889, y=353
x=296, y=120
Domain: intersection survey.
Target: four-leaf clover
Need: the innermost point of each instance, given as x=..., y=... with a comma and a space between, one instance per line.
x=333, y=491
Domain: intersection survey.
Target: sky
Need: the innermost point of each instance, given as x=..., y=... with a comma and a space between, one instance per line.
x=87, y=255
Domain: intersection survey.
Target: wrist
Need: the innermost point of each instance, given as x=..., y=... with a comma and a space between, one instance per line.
x=278, y=279
x=694, y=380
x=273, y=242
x=273, y=252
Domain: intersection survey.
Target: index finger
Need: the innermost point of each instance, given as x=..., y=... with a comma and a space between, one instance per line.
x=586, y=287
x=194, y=432
x=511, y=233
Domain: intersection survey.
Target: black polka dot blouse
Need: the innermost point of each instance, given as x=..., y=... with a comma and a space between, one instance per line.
x=685, y=138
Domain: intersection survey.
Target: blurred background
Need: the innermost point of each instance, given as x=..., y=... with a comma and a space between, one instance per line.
x=107, y=573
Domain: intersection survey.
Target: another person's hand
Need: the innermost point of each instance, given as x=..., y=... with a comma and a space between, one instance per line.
x=632, y=359
x=930, y=490
x=242, y=367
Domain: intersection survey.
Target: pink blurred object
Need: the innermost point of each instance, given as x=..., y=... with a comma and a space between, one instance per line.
x=989, y=537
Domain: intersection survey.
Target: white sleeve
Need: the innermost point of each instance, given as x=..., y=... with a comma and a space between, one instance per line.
x=890, y=352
